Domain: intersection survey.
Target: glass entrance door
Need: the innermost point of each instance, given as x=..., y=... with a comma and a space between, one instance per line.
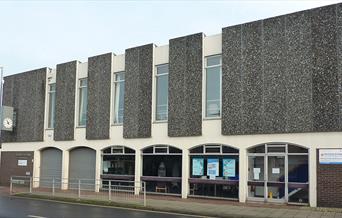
x=276, y=178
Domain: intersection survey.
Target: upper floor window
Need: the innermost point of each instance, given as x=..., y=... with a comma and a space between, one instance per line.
x=162, y=84
x=52, y=105
x=213, y=71
x=83, y=101
x=119, y=96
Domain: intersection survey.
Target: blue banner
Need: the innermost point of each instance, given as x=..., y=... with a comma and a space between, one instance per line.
x=228, y=167
x=197, y=166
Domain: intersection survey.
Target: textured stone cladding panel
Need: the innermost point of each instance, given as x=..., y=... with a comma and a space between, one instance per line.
x=231, y=81
x=138, y=92
x=325, y=77
x=65, y=101
x=274, y=65
x=329, y=185
x=99, y=86
x=299, y=113
x=25, y=92
x=252, y=77
x=185, y=86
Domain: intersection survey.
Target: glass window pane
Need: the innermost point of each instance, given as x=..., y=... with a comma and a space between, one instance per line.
x=298, y=168
x=296, y=149
x=83, y=102
x=257, y=149
x=213, y=89
x=256, y=189
x=118, y=164
x=276, y=149
x=256, y=168
x=52, y=105
x=119, y=97
x=162, y=92
x=214, y=60
x=276, y=168
x=298, y=193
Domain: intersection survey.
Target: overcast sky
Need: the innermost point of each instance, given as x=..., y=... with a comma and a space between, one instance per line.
x=39, y=34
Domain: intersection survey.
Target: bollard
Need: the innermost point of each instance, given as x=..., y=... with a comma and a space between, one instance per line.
x=110, y=191
x=11, y=186
x=53, y=186
x=31, y=181
x=144, y=194
x=79, y=189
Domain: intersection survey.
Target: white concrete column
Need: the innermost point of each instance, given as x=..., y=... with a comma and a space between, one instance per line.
x=65, y=169
x=313, y=176
x=36, y=169
x=185, y=173
x=243, y=172
x=138, y=170
x=98, y=170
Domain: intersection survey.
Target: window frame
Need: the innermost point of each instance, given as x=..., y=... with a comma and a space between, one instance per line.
x=205, y=117
x=156, y=76
x=49, y=101
x=79, y=101
x=115, y=82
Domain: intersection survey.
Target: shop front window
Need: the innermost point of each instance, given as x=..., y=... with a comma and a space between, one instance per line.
x=162, y=169
x=214, y=171
x=278, y=172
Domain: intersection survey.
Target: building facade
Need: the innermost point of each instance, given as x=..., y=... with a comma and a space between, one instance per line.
x=242, y=115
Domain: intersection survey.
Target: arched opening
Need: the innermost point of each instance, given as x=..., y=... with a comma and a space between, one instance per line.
x=50, y=167
x=162, y=169
x=118, y=163
x=214, y=171
x=82, y=163
x=278, y=172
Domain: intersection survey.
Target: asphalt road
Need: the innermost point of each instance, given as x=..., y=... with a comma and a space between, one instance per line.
x=11, y=207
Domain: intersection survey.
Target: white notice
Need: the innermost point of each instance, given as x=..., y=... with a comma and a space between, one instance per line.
x=22, y=163
x=275, y=170
x=256, y=172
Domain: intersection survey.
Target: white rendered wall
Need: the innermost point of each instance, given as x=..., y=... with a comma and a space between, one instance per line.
x=211, y=133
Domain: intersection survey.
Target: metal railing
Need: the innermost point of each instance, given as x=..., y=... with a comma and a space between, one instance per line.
x=121, y=191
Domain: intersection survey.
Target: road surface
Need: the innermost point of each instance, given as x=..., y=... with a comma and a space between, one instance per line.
x=11, y=207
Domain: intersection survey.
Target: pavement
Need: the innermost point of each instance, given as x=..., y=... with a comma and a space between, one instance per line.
x=224, y=208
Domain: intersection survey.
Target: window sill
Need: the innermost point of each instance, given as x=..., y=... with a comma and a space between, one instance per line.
x=117, y=124
x=159, y=121
x=80, y=127
x=211, y=118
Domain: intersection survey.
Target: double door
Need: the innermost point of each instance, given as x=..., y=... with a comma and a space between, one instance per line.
x=268, y=178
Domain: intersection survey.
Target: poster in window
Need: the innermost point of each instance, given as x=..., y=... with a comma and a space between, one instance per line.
x=197, y=166
x=22, y=163
x=228, y=167
x=213, y=168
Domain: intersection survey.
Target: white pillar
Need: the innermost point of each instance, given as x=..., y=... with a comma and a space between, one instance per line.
x=313, y=177
x=98, y=170
x=243, y=172
x=138, y=170
x=65, y=169
x=185, y=173
x=36, y=169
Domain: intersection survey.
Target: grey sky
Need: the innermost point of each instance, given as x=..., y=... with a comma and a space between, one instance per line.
x=43, y=34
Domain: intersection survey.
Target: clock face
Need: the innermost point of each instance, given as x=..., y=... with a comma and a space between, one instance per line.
x=8, y=123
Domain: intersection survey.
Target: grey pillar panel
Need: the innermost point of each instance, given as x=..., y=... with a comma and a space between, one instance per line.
x=138, y=92
x=231, y=81
x=252, y=77
x=274, y=64
x=25, y=92
x=99, y=86
x=325, y=78
x=65, y=101
x=299, y=114
x=185, y=86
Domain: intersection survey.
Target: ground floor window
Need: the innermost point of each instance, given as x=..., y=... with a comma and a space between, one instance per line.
x=278, y=172
x=162, y=169
x=214, y=171
x=118, y=165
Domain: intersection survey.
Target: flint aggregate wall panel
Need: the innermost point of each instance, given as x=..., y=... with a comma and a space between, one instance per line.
x=231, y=81
x=299, y=113
x=252, y=77
x=274, y=65
x=290, y=74
x=138, y=92
x=65, y=101
x=25, y=92
x=185, y=86
x=325, y=78
x=99, y=86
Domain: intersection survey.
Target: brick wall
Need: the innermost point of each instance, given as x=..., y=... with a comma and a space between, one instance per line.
x=9, y=165
x=329, y=184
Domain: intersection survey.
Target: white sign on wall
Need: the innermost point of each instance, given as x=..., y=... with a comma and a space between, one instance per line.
x=330, y=156
x=22, y=163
